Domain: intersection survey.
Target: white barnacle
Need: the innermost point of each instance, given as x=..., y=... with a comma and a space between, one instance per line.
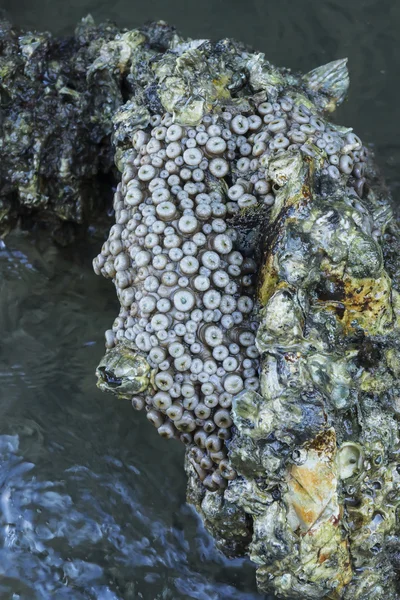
x=220, y=352
x=222, y=243
x=199, y=239
x=147, y=304
x=142, y=258
x=166, y=430
x=174, y=132
x=222, y=418
x=193, y=156
x=139, y=139
x=211, y=400
x=218, y=225
x=182, y=363
x=162, y=401
x=203, y=211
x=133, y=196
x=239, y=124
x=160, y=261
x=245, y=304
x=213, y=335
x=160, y=194
x=164, y=380
x=233, y=384
x=235, y=192
x=219, y=167
x=216, y=145
x=176, y=349
x=189, y=265
x=246, y=338
x=137, y=403
x=183, y=300
x=151, y=283
x=247, y=200
x=202, y=412
x=186, y=423
x=201, y=283
x=127, y=297
x=166, y=211
x=211, y=260
x=175, y=411
x=175, y=254
x=212, y=299
x=160, y=322
x=346, y=164
x=157, y=354
x=187, y=224
x=142, y=341
x=121, y=262
x=243, y=164
x=146, y=172
x=220, y=278
x=189, y=248
x=265, y=108
x=155, y=418
x=173, y=150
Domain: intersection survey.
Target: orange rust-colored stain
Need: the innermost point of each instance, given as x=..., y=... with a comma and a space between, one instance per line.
x=314, y=483
x=312, y=489
x=306, y=516
x=323, y=557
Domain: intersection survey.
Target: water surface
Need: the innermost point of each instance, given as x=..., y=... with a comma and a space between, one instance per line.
x=92, y=500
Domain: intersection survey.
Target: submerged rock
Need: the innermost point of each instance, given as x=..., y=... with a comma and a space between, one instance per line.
x=255, y=259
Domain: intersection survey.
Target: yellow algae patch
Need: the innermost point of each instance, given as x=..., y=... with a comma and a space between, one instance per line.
x=367, y=304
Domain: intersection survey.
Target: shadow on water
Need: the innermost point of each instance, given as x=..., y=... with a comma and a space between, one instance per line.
x=91, y=499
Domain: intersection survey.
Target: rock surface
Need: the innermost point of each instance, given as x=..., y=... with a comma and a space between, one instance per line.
x=256, y=262
x=302, y=474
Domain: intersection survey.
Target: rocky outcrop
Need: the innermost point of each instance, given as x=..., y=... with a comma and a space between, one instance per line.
x=255, y=259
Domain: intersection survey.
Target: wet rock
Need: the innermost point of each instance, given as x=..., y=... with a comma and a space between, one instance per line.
x=255, y=258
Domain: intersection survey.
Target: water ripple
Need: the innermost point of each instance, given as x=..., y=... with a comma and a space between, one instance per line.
x=81, y=514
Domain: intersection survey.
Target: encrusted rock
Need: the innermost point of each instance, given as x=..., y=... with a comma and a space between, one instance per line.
x=256, y=261
x=249, y=259
x=57, y=101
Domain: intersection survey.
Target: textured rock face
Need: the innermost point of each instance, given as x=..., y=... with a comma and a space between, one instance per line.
x=53, y=142
x=57, y=101
x=322, y=435
x=250, y=257
x=256, y=263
